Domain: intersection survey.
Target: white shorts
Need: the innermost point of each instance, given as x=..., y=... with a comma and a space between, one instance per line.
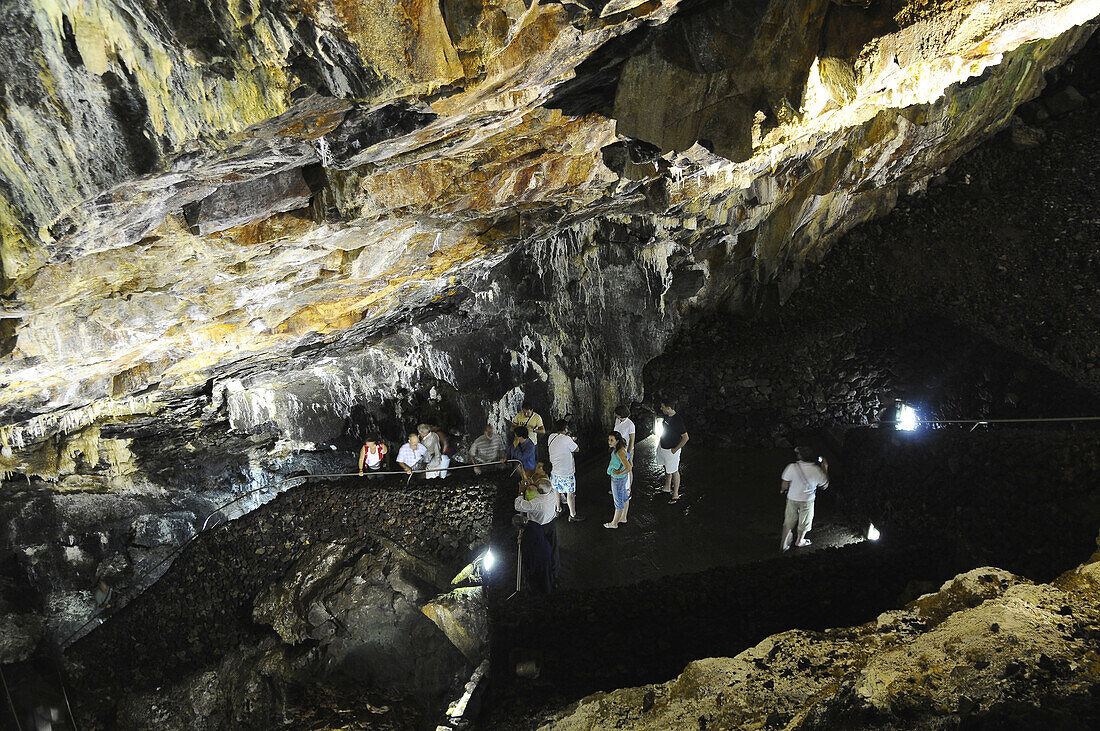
x=668, y=460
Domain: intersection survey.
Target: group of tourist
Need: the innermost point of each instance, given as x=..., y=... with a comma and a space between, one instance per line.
x=544, y=495
x=427, y=450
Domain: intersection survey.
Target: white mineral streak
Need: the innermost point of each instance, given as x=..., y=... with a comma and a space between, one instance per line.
x=17, y=436
x=501, y=412
x=655, y=257
x=181, y=306
x=527, y=357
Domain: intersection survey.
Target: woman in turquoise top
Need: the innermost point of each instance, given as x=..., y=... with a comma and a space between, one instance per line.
x=619, y=469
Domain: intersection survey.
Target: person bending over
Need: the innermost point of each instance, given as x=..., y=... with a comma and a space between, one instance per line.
x=522, y=449
x=539, y=539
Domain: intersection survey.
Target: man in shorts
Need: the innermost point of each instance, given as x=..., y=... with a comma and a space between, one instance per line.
x=800, y=481
x=563, y=469
x=673, y=438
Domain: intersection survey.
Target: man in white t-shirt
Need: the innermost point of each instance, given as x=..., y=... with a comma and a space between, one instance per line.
x=563, y=470
x=800, y=481
x=626, y=428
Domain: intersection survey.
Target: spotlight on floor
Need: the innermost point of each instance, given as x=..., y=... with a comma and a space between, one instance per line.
x=478, y=570
x=872, y=532
x=907, y=418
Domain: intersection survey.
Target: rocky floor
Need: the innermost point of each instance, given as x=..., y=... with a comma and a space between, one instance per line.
x=988, y=650
x=946, y=502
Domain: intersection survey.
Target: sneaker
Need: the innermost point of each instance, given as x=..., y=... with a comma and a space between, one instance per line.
x=575, y=519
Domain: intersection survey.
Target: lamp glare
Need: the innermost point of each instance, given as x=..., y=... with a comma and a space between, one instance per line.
x=907, y=418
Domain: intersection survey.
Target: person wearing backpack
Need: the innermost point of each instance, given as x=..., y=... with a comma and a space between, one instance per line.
x=800, y=481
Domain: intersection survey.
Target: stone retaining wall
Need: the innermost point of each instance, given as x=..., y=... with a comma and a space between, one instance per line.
x=400, y=544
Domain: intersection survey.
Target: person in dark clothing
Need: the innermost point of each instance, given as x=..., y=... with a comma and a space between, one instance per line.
x=539, y=539
x=673, y=438
x=522, y=449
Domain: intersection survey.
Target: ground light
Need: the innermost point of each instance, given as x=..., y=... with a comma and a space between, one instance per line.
x=907, y=418
x=872, y=532
x=478, y=570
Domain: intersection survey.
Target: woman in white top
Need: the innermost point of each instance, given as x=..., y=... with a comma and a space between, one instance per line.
x=372, y=454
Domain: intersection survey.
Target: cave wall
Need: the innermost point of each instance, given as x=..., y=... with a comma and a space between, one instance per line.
x=282, y=275
x=243, y=227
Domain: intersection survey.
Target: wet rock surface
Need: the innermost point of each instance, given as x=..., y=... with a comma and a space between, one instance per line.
x=463, y=233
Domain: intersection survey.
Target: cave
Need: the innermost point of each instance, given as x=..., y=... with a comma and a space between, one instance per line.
x=239, y=240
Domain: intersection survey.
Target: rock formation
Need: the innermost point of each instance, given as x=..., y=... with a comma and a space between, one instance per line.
x=988, y=650
x=258, y=218
x=236, y=235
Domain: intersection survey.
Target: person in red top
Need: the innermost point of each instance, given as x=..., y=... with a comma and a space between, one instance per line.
x=372, y=455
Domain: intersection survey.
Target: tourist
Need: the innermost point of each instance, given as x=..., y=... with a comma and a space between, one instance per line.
x=563, y=469
x=625, y=426
x=413, y=455
x=445, y=450
x=800, y=481
x=619, y=470
x=528, y=419
x=430, y=440
x=673, y=438
x=538, y=540
x=487, y=450
x=522, y=450
x=372, y=455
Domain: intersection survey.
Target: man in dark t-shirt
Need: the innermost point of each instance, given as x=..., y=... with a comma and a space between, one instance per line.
x=673, y=438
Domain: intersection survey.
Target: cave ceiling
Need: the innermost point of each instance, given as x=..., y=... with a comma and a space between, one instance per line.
x=260, y=214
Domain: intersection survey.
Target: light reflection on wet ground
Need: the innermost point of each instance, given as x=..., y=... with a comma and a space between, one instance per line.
x=730, y=512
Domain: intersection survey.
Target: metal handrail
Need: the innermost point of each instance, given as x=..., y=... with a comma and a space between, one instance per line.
x=11, y=703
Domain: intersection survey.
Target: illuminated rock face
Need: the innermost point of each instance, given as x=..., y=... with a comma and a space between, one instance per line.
x=276, y=216
x=982, y=651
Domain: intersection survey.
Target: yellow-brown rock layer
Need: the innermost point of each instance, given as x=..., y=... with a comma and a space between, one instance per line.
x=185, y=200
